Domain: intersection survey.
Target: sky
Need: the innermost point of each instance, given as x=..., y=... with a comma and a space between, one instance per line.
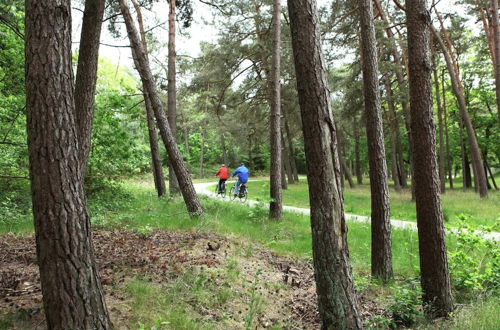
x=186, y=44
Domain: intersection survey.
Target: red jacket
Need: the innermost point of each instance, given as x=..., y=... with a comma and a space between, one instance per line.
x=223, y=173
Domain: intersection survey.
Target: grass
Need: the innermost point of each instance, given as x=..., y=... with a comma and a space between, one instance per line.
x=134, y=205
x=357, y=201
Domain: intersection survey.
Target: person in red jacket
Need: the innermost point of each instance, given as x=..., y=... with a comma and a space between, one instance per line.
x=223, y=174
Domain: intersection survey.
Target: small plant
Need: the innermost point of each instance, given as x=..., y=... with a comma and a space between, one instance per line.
x=406, y=302
x=475, y=262
x=380, y=322
x=254, y=305
x=144, y=231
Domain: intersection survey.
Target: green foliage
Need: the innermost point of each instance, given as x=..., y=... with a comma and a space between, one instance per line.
x=406, y=303
x=475, y=261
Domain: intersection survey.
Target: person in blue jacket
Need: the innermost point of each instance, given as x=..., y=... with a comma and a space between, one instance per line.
x=242, y=173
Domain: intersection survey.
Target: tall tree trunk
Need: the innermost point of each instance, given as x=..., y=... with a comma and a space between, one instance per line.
x=491, y=175
x=224, y=148
x=173, y=181
x=403, y=90
x=276, y=205
x=477, y=161
x=336, y=297
x=442, y=175
x=158, y=177
x=434, y=275
x=346, y=171
x=86, y=76
x=448, y=153
x=380, y=221
x=496, y=38
x=186, y=185
x=285, y=167
x=357, y=153
x=393, y=128
x=293, y=163
x=72, y=292
x=286, y=161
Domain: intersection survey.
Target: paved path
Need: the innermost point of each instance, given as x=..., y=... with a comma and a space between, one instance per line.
x=207, y=188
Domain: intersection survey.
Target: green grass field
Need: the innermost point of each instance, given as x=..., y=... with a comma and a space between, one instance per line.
x=357, y=201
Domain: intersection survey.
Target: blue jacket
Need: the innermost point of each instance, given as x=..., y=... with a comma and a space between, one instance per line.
x=242, y=173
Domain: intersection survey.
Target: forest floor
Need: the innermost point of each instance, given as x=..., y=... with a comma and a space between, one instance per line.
x=232, y=269
x=180, y=279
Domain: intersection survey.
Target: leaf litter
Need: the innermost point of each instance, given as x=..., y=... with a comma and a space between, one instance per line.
x=285, y=285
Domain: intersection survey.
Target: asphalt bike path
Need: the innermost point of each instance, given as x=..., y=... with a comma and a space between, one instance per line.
x=207, y=189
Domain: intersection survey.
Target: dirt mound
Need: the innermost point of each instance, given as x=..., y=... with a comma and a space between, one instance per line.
x=163, y=256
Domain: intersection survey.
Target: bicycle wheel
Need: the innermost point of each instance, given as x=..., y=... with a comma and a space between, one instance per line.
x=216, y=189
x=243, y=198
x=223, y=192
x=232, y=195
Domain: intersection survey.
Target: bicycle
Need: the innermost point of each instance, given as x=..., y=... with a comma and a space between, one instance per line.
x=221, y=192
x=242, y=194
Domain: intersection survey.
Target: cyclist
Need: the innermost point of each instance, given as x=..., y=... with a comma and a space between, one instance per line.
x=223, y=174
x=242, y=173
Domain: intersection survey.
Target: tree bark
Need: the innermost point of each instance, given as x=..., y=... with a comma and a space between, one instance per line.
x=173, y=181
x=393, y=128
x=276, y=205
x=186, y=185
x=435, y=279
x=86, y=75
x=380, y=221
x=357, y=153
x=72, y=292
x=336, y=297
x=477, y=161
x=442, y=175
x=286, y=161
x=448, y=153
x=158, y=177
x=293, y=163
x=496, y=38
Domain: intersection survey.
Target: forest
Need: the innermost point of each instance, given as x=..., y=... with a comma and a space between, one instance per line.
x=249, y=164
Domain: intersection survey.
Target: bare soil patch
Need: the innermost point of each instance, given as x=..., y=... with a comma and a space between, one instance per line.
x=163, y=256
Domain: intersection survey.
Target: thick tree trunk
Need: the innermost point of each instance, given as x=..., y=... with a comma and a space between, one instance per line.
x=357, y=152
x=190, y=198
x=393, y=128
x=334, y=284
x=380, y=221
x=434, y=276
x=158, y=177
x=173, y=182
x=448, y=153
x=72, y=292
x=442, y=175
x=86, y=75
x=276, y=205
x=477, y=161
x=293, y=163
x=496, y=38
